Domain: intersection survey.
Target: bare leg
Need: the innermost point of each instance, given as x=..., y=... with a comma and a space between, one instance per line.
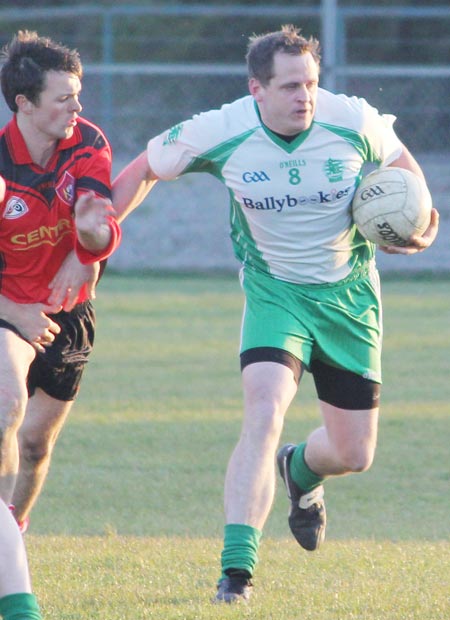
x=346, y=443
x=14, y=574
x=16, y=356
x=43, y=422
x=250, y=480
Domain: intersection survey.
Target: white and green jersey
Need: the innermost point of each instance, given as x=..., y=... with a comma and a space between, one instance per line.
x=290, y=210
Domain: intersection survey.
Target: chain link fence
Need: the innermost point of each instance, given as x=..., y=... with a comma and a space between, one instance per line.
x=148, y=68
x=143, y=104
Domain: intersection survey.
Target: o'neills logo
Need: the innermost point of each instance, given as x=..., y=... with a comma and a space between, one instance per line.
x=15, y=207
x=44, y=235
x=66, y=189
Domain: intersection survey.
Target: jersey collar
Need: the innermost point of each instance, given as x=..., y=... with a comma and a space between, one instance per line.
x=19, y=150
x=289, y=147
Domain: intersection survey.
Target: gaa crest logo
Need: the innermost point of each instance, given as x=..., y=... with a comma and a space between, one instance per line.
x=334, y=170
x=65, y=189
x=173, y=134
x=15, y=208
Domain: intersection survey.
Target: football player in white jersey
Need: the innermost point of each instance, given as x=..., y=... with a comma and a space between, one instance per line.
x=291, y=155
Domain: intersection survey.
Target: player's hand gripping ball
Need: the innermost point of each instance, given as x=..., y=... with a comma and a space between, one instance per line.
x=390, y=205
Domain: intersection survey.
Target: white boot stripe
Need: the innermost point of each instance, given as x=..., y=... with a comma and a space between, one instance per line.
x=313, y=497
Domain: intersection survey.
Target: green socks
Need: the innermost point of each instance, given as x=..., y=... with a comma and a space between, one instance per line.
x=241, y=542
x=21, y=606
x=240, y=550
x=301, y=474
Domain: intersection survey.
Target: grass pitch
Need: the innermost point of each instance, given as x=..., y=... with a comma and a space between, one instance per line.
x=129, y=524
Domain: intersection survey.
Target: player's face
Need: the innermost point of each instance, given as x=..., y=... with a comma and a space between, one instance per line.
x=55, y=115
x=287, y=103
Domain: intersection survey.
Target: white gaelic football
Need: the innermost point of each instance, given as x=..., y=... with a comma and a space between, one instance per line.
x=390, y=205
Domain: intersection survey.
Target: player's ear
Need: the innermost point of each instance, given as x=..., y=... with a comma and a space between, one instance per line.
x=23, y=104
x=255, y=88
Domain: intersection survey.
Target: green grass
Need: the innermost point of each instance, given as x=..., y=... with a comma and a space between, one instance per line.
x=129, y=524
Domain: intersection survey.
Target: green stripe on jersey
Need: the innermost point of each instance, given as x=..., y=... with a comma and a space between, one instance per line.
x=244, y=245
x=213, y=161
x=361, y=144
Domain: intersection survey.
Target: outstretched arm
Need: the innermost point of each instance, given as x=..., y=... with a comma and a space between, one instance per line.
x=98, y=232
x=92, y=221
x=132, y=185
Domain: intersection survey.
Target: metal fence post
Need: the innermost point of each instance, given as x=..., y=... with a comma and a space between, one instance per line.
x=106, y=77
x=329, y=21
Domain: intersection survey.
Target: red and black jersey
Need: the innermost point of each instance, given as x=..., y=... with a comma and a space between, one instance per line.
x=37, y=231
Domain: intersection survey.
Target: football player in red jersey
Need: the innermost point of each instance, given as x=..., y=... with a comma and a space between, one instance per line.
x=56, y=221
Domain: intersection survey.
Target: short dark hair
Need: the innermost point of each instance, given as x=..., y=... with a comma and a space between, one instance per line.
x=26, y=59
x=262, y=48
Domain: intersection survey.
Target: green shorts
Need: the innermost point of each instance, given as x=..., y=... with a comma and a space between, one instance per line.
x=339, y=324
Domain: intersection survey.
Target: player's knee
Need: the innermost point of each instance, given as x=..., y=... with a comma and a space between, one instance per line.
x=267, y=426
x=12, y=409
x=34, y=452
x=357, y=460
x=263, y=425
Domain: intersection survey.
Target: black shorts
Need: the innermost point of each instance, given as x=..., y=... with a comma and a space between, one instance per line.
x=336, y=386
x=58, y=371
